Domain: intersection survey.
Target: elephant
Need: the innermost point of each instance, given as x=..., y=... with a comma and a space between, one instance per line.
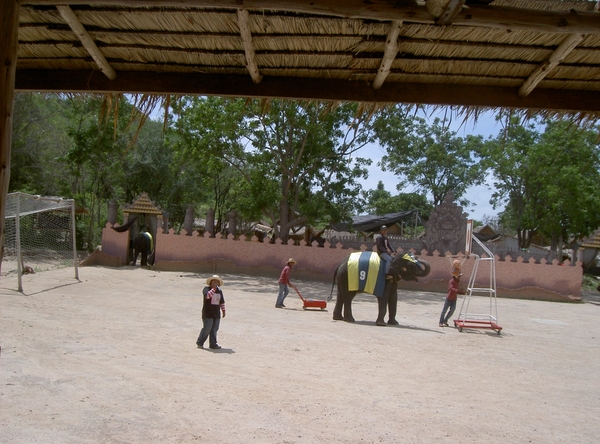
x=143, y=244
x=403, y=266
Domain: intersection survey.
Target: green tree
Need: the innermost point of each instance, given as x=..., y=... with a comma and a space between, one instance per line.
x=306, y=151
x=508, y=157
x=549, y=180
x=294, y=160
x=207, y=135
x=428, y=157
x=570, y=201
x=39, y=143
x=96, y=158
x=380, y=201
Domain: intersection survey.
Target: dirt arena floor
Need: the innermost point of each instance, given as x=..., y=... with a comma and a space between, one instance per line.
x=112, y=358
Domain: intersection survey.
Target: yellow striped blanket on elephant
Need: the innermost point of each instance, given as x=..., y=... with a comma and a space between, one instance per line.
x=366, y=272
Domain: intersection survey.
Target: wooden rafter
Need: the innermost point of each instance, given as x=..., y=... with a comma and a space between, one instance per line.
x=88, y=43
x=568, y=45
x=243, y=17
x=389, y=54
x=500, y=17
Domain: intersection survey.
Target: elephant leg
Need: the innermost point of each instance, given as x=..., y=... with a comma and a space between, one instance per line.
x=143, y=247
x=382, y=306
x=382, y=303
x=393, y=303
x=339, y=303
x=348, y=306
x=337, y=310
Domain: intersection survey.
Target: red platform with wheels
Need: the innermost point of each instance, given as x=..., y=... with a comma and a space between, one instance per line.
x=472, y=323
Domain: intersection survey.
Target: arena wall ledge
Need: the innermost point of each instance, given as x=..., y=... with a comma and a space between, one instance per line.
x=515, y=277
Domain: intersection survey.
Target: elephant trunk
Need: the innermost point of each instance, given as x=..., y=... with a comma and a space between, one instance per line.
x=423, y=268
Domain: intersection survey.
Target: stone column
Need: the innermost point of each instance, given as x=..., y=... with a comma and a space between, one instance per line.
x=232, y=228
x=209, y=226
x=188, y=221
x=112, y=212
x=165, y=224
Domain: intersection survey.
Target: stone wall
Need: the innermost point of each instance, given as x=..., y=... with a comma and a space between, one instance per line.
x=205, y=254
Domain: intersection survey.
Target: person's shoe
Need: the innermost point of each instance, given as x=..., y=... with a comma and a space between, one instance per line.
x=279, y=306
x=283, y=305
x=199, y=345
x=446, y=324
x=442, y=325
x=394, y=322
x=215, y=347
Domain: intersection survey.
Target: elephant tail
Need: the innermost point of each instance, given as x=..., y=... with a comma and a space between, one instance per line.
x=330, y=297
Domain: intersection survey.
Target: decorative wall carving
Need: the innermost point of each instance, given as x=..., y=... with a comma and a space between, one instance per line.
x=447, y=227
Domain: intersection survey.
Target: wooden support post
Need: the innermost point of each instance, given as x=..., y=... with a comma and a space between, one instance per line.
x=9, y=29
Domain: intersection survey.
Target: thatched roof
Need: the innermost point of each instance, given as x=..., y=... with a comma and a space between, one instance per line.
x=531, y=54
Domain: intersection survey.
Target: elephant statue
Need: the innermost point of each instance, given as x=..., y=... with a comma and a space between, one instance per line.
x=143, y=245
x=365, y=272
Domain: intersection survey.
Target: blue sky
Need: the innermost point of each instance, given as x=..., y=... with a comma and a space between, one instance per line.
x=479, y=195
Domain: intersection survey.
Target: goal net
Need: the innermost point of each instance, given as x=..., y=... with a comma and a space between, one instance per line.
x=39, y=235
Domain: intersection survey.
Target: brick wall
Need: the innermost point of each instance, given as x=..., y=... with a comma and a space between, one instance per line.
x=180, y=252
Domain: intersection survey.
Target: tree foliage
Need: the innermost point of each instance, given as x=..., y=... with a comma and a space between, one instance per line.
x=549, y=180
x=429, y=158
x=293, y=160
x=39, y=144
x=380, y=201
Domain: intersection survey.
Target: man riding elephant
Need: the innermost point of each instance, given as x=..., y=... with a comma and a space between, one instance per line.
x=365, y=272
x=384, y=248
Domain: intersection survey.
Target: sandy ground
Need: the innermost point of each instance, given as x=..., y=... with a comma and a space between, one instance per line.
x=112, y=359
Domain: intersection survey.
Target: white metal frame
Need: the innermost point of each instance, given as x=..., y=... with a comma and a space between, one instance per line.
x=464, y=317
x=60, y=203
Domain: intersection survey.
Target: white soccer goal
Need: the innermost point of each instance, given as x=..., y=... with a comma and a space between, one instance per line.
x=40, y=235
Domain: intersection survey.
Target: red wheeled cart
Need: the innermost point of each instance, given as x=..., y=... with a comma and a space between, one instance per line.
x=310, y=303
x=474, y=323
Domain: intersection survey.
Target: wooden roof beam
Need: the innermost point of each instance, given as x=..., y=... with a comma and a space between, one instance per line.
x=88, y=43
x=243, y=22
x=568, y=45
x=500, y=17
x=389, y=54
x=306, y=88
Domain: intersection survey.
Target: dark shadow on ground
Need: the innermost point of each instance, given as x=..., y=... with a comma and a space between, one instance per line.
x=406, y=327
x=590, y=297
